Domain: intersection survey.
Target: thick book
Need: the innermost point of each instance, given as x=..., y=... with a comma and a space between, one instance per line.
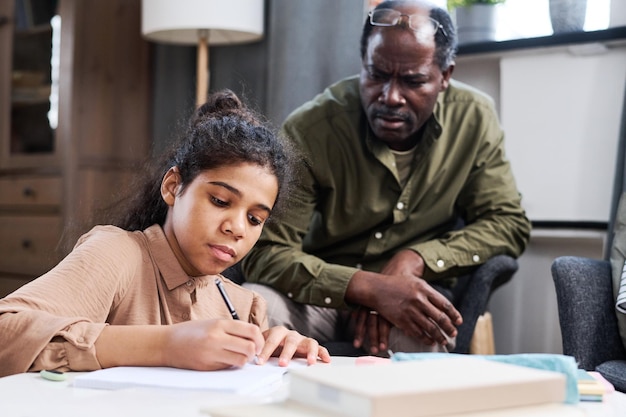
x=427, y=388
x=294, y=409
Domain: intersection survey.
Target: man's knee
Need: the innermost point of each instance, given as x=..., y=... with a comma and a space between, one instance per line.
x=280, y=309
x=312, y=321
x=400, y=342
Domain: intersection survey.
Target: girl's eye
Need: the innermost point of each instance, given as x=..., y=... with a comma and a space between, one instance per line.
x=218, y=202
x=255, y=220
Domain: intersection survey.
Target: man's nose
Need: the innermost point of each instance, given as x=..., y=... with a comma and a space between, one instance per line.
x=392, y=94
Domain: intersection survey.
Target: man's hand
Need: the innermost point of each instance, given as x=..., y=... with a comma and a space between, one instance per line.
x=405, y=263
x=403, y=298
x=369, y=323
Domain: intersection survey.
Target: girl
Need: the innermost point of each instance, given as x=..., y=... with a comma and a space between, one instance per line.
x=142, y=290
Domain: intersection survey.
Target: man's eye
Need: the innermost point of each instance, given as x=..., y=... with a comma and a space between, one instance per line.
x=218, y=202
x=414, y=83
x=377, y=76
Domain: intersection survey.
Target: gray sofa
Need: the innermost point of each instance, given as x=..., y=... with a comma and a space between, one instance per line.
x=587, y=316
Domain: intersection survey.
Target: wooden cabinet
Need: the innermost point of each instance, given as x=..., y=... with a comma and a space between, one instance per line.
x=26, y=79
x=74, y=123
x=30, y=223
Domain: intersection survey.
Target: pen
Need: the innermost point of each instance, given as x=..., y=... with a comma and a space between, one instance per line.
x=230, y=306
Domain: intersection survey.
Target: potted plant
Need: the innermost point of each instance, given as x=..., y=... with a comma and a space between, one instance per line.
x=475, y=19
x=568, y=15
x=453, y=4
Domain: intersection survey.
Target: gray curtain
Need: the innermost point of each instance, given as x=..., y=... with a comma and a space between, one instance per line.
x=307, y=46
x=619, y=184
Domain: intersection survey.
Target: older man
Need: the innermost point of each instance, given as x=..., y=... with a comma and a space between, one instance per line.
x=406, y=186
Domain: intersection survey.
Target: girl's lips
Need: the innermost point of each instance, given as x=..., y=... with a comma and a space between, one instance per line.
x=223, y=253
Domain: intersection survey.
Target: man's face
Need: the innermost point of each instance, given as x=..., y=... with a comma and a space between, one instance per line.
x=399, y=84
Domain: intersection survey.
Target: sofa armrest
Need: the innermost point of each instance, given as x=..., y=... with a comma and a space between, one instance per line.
x=586, y=310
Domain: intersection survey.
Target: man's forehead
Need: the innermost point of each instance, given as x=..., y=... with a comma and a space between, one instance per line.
x=398, y=51
x=411, y=8
x=408, y=70
x=405, y=43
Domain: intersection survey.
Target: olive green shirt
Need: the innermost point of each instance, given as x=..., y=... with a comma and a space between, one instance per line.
x=350, y=212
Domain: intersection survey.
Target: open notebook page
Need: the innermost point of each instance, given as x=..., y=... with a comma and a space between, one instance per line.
x=244, y=380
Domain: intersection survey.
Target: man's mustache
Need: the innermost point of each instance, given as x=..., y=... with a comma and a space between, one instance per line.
x=388, y=113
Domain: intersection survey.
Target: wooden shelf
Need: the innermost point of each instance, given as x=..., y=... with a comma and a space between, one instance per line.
x=53, y=182
x=25, y=96
x=44, y=29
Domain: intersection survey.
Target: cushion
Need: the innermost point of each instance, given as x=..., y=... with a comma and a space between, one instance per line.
x=618, y=267
x=615, y=373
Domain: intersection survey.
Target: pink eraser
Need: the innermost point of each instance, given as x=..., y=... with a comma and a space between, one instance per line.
x=371, y=360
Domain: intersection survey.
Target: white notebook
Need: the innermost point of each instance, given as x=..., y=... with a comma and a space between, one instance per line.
x=244, y=380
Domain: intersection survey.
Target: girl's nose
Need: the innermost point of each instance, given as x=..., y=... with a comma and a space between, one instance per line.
x=235, y=225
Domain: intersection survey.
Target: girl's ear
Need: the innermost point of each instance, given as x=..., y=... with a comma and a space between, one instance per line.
x=169, y=185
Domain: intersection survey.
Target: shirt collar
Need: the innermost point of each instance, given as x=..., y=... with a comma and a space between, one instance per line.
x=165, y=260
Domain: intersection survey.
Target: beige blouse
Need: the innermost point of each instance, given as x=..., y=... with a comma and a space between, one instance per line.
x=115, y=277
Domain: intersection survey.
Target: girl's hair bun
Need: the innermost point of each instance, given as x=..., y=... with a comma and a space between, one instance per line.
x=219, y=104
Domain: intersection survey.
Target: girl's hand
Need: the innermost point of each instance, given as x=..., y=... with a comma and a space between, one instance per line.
x=286, y=344
x=212, y=344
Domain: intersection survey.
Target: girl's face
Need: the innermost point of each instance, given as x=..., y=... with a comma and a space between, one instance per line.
x=217, y=219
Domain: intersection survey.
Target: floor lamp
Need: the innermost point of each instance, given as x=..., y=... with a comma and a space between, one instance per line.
x=202, y=23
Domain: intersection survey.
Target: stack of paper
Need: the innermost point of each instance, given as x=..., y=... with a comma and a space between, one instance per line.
x=592, y=386
x=244, y=380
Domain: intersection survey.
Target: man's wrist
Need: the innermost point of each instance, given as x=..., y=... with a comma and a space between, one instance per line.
x=361, y=288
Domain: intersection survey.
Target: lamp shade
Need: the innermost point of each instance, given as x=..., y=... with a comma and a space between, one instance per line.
x=178, y=21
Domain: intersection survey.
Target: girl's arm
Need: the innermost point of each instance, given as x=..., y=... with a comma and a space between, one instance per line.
x=201, y=344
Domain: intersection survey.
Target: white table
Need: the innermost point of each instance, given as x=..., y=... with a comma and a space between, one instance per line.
x=29, y=395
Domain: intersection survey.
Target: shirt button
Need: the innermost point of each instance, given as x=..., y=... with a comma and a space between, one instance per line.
x=185, y=316
x=400, y=205
x=327, y=300
x=189, y=283
x=378, y=235
x=476, y=258
x=440, y=263
x=290, y=295
x=81, y=340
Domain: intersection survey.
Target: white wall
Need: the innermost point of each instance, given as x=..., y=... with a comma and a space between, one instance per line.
x=618, y=13
x=561, y=110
